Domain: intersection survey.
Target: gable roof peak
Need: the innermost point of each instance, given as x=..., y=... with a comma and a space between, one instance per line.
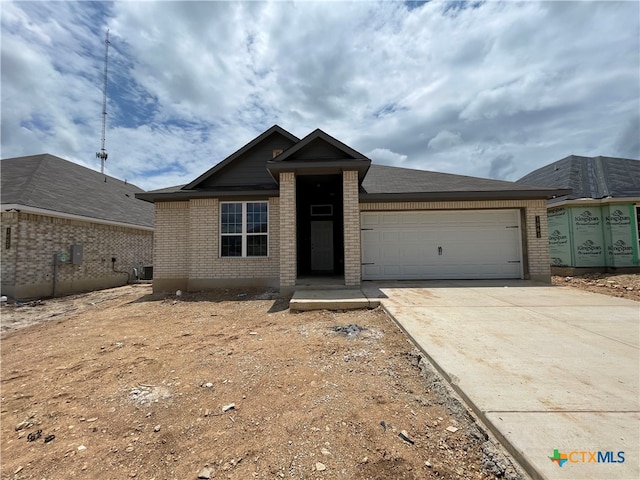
x=220, y=165
x=322, y=135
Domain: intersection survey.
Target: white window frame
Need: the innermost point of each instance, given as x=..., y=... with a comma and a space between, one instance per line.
x=244, y=232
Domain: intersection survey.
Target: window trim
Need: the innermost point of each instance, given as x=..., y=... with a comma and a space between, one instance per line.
x=244, y=234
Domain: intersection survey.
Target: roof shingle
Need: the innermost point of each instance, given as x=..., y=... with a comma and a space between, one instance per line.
x=52, y=183
x=590, y=177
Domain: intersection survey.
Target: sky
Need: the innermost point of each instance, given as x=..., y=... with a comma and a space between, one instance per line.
x=491, y=89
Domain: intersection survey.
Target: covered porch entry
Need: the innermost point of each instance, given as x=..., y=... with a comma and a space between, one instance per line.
x=319, y=180
x=319, y=228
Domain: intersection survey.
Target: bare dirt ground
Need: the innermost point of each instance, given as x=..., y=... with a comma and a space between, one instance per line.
x=615, y=285
x=123, y=383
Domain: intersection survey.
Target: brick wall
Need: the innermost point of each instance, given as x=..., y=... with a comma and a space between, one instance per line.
x=535, y=250
x=187, y=249
x=171, y=240
x=288, y=249
x=352, y=258
x=539, y=260
x=8, y=256
x=35, y=239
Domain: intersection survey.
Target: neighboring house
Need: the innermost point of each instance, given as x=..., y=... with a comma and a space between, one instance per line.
x=282, y=209
x=91, y=223
x=596, y=225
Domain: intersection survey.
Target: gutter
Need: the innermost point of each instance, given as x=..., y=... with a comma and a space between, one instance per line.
x=365, y=197
x=592, y=201
x=188, y=195
x=52, y=213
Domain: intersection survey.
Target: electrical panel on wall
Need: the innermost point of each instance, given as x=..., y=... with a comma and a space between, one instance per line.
x=76, y=254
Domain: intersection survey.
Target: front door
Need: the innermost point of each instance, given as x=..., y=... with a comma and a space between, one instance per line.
x=322, y=245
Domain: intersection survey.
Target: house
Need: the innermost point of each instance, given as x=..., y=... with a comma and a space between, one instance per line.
x=66, y=228
x=283, y=209
x=596, y=225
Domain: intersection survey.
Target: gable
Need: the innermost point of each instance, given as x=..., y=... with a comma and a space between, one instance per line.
x=251, y=159
x=319, y=154
x=249, y=168
x=320, y=149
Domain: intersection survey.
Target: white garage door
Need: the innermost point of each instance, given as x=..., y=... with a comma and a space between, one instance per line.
x=455, y=244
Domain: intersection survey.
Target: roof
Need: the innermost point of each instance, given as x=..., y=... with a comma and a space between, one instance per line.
x=319, y=153
x=590, y=177
x=260, y=138
x=329, y=155
x=47, y=182
x=387, y=182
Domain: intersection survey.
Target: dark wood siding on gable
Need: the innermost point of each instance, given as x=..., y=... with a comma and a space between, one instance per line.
x=250, y=169
x=320, y=150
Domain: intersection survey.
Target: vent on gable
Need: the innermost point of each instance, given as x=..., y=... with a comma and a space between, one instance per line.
x=276, y=152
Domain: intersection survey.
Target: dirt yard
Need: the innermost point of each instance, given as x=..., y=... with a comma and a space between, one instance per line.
x=615, y=285
x=123, y=383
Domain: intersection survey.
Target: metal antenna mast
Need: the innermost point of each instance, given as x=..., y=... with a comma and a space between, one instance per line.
x=102, y=154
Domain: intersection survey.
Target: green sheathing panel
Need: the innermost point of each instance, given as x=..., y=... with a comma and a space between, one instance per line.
x=636, y=235
x=588, y=239
x=560, y=248
x=620, y=235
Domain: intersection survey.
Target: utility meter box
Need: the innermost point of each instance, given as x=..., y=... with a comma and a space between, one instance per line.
x=76, y=254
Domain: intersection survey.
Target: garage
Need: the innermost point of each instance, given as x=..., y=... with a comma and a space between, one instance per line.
x=454, y=244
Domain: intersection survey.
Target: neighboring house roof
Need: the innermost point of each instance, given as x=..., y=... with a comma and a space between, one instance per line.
x=49, y=183
x=320, y=153
x=590, y=177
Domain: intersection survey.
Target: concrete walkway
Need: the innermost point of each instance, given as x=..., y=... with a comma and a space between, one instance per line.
x=546, y=368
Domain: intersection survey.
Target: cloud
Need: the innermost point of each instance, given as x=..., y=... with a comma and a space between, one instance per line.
x=628, y=144
x=502, y=167
x=384, y=156
x=445, y=139
x=424, y=85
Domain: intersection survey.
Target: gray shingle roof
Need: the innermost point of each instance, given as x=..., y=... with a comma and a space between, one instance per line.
x=51, y=183
x=388, y=180
x=590, y=177
x=378, y=182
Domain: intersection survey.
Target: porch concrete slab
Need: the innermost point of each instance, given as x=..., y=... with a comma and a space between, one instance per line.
x=330, y=299
x=545, y=367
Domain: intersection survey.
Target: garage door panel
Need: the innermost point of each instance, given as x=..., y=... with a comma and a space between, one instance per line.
x=473, y=244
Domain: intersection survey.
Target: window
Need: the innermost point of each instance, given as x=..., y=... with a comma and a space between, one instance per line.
x=244, y=229
x=321, y=210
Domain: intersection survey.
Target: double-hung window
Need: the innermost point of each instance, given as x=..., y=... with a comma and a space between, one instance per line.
x=244, y=229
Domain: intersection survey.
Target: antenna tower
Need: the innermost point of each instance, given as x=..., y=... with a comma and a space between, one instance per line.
x=102, y=154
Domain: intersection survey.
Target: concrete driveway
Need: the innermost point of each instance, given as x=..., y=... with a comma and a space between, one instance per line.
x=553, y=371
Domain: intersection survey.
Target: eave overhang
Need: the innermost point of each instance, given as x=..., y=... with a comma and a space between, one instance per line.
x=319, y=167
x=564, y=201
x=15, y=207
x=461, y=196
x=186, y=195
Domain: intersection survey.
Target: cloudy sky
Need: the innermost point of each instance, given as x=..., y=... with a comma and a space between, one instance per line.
x=490, y=89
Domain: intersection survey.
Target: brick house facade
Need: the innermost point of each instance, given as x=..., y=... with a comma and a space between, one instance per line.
x=57, y=204
x=312, y=195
